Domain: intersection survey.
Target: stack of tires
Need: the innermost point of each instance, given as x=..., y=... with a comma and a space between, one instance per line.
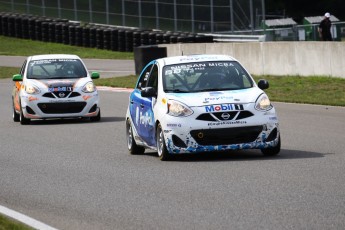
x=114, y=44
x=101, y=37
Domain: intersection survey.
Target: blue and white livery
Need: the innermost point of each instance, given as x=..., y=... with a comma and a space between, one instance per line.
x=200, y=103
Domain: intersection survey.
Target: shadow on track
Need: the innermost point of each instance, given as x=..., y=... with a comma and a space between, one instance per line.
x=65, y=121
x=241, y=155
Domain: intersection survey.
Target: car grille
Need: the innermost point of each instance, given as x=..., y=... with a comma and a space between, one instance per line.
x=61, y=94
x=64, y=108
x=223, y=116
x=226, y=136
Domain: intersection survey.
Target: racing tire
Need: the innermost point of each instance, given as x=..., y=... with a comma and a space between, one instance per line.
x=133, y=148
x=15, y=115
x=23, y=120
x=162, y=150
x=96, y=118
x=272, y=151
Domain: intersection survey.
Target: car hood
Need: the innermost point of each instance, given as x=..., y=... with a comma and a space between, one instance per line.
x=218, y=97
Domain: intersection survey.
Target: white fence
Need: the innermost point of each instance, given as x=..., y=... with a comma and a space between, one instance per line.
x=175, y=15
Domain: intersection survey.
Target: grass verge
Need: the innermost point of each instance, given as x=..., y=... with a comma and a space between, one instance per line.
x=8, y=72
x=23, y=47
x=310, y=90
x=294, y=89
x=8, y=223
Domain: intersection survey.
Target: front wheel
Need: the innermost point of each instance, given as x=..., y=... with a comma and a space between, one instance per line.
x=23, y=120
x=272, y=151
x=15, y=115
x=96, y=118
x=162, y=150
x=133, y=148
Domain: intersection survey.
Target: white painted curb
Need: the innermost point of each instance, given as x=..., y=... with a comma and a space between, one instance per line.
x=25, y=219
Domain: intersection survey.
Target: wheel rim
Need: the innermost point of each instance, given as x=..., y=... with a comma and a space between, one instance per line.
x=129, y=136
x=160, y=142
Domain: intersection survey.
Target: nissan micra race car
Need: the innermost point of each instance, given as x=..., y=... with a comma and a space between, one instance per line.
x=54, y=86
x=200, y=103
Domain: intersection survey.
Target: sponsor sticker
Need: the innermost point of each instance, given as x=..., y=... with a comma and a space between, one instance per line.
x=272, y=118
x=146, y=119
x=223, y=107
x=211, y=99
x=60, y=89
x=173, y=125
x=49, y=61
x=226, y=123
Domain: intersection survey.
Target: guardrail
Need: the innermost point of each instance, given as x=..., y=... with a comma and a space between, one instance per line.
x=237, y=38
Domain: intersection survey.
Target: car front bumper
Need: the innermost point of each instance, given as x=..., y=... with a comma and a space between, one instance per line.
x=85, y=105
x=257, y=132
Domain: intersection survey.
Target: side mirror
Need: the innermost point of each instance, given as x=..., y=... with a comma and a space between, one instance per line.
x=94, y=75
x=17, y=77
x=149, y=92
x=263, y=84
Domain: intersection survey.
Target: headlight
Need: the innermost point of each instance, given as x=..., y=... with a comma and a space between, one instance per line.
x=263, y=103
x=89, y=88
x=177, y=109
x=31, y=89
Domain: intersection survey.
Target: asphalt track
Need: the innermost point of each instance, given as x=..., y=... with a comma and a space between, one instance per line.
x=73, y=174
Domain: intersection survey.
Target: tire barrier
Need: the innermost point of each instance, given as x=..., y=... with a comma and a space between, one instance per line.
x=129, y=40
x=11, y=20
x=121, y=41
x=31, y=30
x=144, y=54
x=99, y=38
x=65, y=34
x=79, y=36
x=58, y=33
x=25, y=28
x=114, y=38
x=92, y=36
x=71, y=35
x=86, y=36
x=114, y=44
x=38, y=29
x=106, y=39
x=0, y=24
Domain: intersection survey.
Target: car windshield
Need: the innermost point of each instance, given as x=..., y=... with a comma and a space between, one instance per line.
x=56, y=69
x=205, y=76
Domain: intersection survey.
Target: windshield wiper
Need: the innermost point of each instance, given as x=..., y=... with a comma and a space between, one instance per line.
x=62, y=77
x=216, y=89
x=177, y=91
x=212, y=89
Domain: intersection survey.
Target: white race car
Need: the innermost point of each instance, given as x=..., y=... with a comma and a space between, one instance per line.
x=54, y=86
x=200, y=103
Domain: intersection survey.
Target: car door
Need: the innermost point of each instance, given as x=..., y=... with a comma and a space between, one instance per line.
x=142, y=107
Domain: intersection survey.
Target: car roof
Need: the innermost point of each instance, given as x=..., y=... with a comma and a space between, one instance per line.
x=195, y=58
x=53, y=56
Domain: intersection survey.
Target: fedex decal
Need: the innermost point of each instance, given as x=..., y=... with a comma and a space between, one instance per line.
x=223, y=107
